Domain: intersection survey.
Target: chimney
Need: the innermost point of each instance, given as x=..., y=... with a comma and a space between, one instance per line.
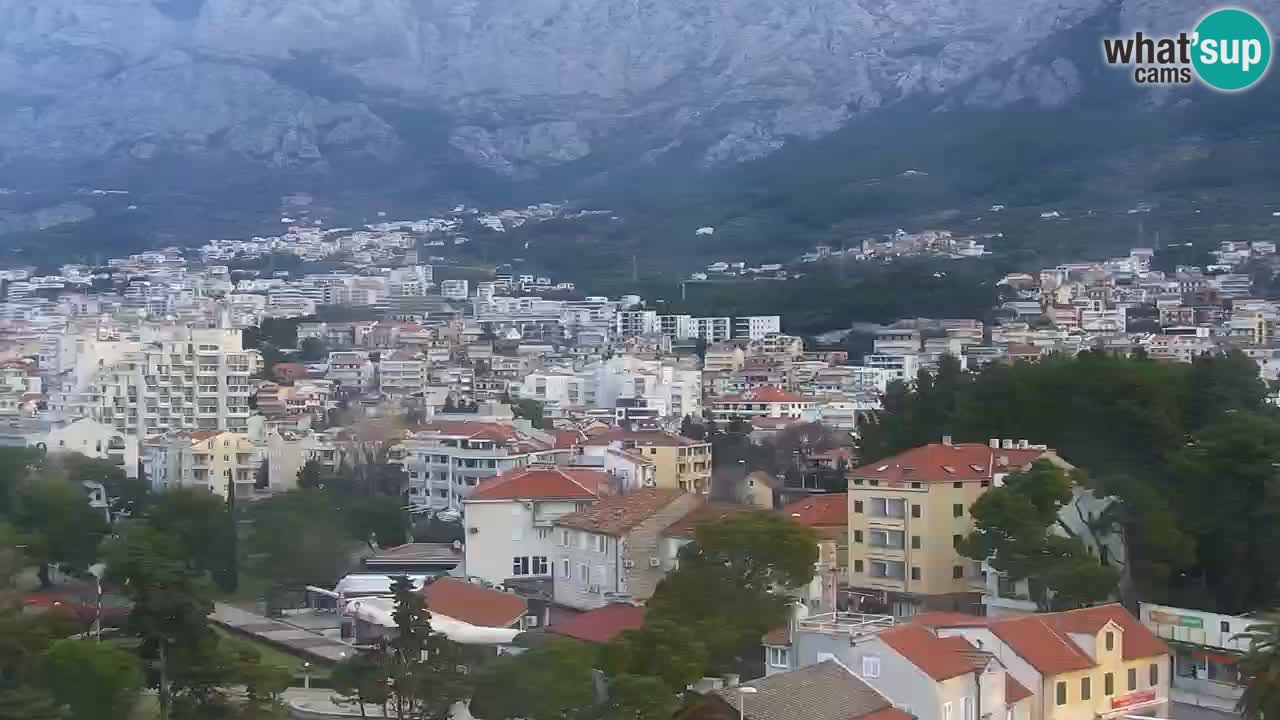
x=731, y=679
x=1008, y=444
x=946, y=440
x=1023, y=444
x=994, y=443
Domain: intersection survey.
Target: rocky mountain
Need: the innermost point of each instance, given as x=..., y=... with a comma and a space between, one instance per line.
x=514, y=87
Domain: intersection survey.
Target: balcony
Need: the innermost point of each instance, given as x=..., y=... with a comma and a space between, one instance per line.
x=851, y=625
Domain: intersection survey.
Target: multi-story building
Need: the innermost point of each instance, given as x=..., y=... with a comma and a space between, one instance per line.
x=679, y=463
x=612, y=550
x=671, y=389
x=508, y=519
x=770, y=402
x=756, y=327
x=447, y=460
x=203, y=460
x=454, y=289
x=1098, y=662
x=907, y=513
x=713, y=329
x=402, y=374
x=1206, y=647
x=193, y=379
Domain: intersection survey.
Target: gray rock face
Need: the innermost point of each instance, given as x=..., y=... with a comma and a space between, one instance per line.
x=524, y=85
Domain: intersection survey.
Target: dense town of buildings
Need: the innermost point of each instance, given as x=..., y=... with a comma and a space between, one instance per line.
x=158, y=363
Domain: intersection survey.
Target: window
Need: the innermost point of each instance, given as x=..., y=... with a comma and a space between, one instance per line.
x=1110, y=641
x=956, y=540
x=1085, y=689
x=946, y=711
x=600, y=543
x=957, y=572
x=1133, y=678
x=957, y=510
x=915, y=573
x=870, y=666
x=564, y=568
x=857, y=566
x=1109, y=684
x=1061, y=698
x=968, y=708
x=915, y=542
x=1154, y=674
x=957, y=485
x=916, y=485
x=857, y=506
x=520, y=566
x=857, y=481
x=986, y=483
x=1224, y=626
x=857, y=536
x=915, y=511
x=778, y=657
x=544, y=533
x=540, y=565
x=584, y=573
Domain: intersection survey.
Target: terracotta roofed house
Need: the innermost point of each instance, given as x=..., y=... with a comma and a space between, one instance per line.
x=612, y=549
x=602, y=624
x=508, y=518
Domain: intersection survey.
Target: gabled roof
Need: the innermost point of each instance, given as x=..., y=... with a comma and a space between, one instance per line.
x=825, y=691
x=1137, y=641
x=1045, y=648
x=618, y=514
x=939, y=657
x=471, y=603
x=542, y=483
x=1014, y=690
x=766, y=394
x=707, y=512
x=830, y=510
x=939, y=462
x=602, y=624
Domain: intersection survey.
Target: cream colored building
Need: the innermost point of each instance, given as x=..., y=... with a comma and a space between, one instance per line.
x=908, y=512
x=679, y=462
x=204, y=460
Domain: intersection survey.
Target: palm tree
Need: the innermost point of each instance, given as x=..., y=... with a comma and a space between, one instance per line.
x=1260, y=669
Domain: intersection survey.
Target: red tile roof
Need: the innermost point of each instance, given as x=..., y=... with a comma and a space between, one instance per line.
x=831, y=510
x=602, y=624
x=937, y=462
x=542, y=482
x=617, y=514
x=1137, y=641
x=1046, y=649
x=889, y=713
x=1014, y=690
x=778, y=636
x=948, y=619
x=566, y=439
x=686, y=526
x=472, y=603
x=653, y=438
x=940, y=658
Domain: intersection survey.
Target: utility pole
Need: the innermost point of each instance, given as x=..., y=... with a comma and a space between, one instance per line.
x=232, y=581
x=164, y=679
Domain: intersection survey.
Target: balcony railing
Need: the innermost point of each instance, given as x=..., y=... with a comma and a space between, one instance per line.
x=844, y=623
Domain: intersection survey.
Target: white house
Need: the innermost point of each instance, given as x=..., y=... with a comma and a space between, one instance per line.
x=508, y=519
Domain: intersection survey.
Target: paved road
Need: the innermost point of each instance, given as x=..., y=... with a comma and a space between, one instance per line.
x=297, y=639
x=1183, y=711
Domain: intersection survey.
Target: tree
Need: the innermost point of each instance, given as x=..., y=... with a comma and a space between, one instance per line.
x=95, y=681
x=1260, y=670
x=28, y=703
x=638, y=697
x=426, y=675
x=201, y=524
x=1017, y=530
x=125, y=494
x=553, y=681
x=314, y=350
x=262, y=475
x=531, y=410
x=361, y=680
x=311, y=475
x=692, y=429
x=60, y=527
x=294, y=541
x=380, y=519
x=730, y=587
x=663, y=648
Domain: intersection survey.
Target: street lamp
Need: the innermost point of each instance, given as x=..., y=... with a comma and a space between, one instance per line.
x=306, y=675
x=743, y=692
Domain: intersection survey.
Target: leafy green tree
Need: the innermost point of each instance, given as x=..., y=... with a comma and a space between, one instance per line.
x=732, y=582
x=531, y=410
x=380, y=518
x=693, y=429
x=29, y=703
x=361, y=680
x=662, y=648
x=95, y=681
x=16, y=465
x=1018, y=532
x=1227, y=489
x=553, y=681
x=311, y=475
x=639, y=697
x=201, y=524
x=54, y=515
x=1260, y=670
x=294, y=542
x=314, y=350
x=426, y=673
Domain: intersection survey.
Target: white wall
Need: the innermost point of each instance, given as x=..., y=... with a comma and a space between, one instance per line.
x=497, y=532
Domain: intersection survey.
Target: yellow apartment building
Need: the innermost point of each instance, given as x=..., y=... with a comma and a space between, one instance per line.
x=680, y=463
x=907, y=512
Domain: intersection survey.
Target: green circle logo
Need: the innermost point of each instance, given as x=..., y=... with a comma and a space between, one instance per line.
x=1232, y=49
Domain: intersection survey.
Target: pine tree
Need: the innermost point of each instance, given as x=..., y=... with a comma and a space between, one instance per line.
x=426, y=672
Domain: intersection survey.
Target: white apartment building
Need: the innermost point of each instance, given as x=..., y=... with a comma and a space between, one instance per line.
x=402, y=375
x=447, y=460
x=192, y=379
x=94, y=439
x=713, y=329
x=630, y=323
x=673, y=390
x=454, y=289
x=756, y=327
x=203, y=460
x=508, y=519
